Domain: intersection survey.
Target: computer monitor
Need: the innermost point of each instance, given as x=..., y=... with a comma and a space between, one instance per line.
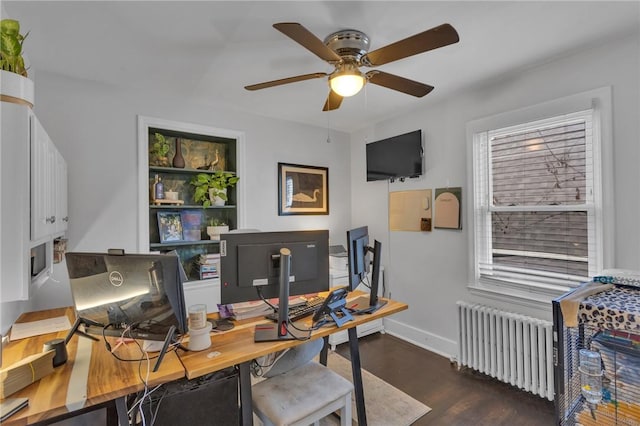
x=358, y=250
x=139, y=292
x=249, y=261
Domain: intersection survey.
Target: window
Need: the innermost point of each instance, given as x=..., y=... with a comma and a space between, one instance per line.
x=537, y=222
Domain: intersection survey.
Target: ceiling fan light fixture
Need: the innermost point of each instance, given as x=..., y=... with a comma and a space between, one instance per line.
x=346, y=81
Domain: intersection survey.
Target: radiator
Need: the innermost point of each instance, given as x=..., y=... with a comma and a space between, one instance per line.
x=513, y=348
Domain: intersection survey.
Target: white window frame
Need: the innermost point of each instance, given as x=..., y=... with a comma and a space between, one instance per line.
x=541, y=292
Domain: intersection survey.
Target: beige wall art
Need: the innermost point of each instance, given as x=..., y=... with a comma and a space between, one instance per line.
x=410, y=210
x=448, y=208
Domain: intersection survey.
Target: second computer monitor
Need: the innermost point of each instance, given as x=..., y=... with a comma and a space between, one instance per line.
x=249, y=261
x=358, y=250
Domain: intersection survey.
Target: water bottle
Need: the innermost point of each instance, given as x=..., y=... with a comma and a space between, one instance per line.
x=590, y=375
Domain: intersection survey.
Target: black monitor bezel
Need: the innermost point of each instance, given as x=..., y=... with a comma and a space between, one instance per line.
x=354, y=258
x=360, y=237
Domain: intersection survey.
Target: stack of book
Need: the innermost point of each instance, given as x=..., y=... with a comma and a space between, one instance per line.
x=244, y=310
x=24, y=372
x=208, y=265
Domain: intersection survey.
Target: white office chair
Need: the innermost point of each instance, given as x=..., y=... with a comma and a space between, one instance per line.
x=302, y=396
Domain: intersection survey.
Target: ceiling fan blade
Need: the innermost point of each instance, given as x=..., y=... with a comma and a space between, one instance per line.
x=401, y=84
x=308, y=40
x=333, y=101
x=440, y=36
x=285, y=81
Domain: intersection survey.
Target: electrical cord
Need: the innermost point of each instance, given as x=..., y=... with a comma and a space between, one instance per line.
x=128, y=330
x=259, y=290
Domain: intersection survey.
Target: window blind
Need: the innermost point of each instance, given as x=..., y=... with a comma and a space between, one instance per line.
x=534, y=202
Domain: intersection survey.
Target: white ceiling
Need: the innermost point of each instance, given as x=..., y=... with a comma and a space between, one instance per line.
x=209, y=50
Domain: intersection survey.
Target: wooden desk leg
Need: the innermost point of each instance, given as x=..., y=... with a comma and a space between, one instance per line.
x=246, y=404
x=357, y=376
x=123, y=416
x=325, y=351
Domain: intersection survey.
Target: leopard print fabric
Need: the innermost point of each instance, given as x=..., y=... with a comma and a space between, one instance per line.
x=615, y=309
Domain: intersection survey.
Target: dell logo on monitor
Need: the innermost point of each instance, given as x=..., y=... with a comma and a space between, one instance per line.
x=116, y=279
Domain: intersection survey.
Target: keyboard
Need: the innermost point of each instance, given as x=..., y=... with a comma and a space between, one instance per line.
x=301, y=311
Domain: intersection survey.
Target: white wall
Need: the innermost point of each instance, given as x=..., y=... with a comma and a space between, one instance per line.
x=429, y=269
x=95, y=128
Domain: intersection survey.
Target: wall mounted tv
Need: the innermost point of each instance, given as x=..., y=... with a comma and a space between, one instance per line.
x=394, y=158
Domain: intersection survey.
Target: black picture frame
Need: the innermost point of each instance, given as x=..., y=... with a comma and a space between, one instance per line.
x=302, y=190
x=170, y=227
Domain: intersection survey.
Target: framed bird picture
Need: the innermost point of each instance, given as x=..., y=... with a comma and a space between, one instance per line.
x=302, y=190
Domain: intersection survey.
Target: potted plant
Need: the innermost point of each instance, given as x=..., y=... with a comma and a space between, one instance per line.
x=16, y=87
x=216, y=227
x=158, y=150
x=211, y=188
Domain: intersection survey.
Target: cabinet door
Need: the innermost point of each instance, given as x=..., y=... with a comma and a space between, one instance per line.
x=14, y=202
x=60, y=199
x=42, y=180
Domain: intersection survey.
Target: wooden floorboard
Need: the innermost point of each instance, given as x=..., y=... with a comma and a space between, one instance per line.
x=455, y=397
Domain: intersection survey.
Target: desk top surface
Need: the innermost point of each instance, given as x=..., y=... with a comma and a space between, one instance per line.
x=237, y=346
x=108, y=379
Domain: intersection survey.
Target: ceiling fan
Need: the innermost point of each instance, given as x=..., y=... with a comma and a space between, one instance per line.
x=348, y=50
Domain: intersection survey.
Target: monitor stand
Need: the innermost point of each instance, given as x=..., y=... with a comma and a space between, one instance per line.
x=80, y=321
x=372, y=308
x=281, y=330
x=165, y=346
x=271, y=333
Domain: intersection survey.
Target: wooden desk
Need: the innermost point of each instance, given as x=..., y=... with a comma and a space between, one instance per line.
x=109, y=379
x=236, y=347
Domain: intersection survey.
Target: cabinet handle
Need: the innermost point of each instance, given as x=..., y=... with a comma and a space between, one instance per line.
x=65, y=219
x=51, y=219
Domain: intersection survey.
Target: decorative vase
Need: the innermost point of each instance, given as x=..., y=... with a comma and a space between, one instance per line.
x=215, y=200
x=16, y=88
x=178, y=159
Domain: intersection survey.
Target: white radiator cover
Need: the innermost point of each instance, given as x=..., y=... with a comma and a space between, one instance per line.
x=513, y=348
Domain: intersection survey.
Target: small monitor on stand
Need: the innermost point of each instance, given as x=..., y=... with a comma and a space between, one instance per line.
x=358, y=250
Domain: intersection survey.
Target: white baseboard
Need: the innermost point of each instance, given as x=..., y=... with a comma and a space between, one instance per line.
x=431, y=342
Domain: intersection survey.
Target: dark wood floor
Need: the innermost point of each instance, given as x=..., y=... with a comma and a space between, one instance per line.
x=455, y=397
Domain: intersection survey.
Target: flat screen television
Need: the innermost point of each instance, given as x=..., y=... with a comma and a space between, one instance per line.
x=139, y=292
x=252, y=260
x=397, y=157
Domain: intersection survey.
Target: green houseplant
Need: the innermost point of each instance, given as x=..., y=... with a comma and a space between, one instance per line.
x=159, y=150
x=11, y=47
x=211, y=188
x=16, y=87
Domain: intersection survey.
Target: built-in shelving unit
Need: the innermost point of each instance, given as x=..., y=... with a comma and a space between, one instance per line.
x=204, y=150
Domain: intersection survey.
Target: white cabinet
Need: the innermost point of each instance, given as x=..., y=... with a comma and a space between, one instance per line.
x=33, y=201
x=14, y=202
x=61, y=195
x=48, y=186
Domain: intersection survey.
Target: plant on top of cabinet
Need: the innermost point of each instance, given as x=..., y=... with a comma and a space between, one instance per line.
x=11, y=47
x=16, y=87
x=159, y=150
x=212, y=188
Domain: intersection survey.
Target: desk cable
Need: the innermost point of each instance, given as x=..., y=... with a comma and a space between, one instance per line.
x=259, y=290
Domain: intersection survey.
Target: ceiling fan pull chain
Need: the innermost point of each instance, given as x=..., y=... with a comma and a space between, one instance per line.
x=328, y=127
